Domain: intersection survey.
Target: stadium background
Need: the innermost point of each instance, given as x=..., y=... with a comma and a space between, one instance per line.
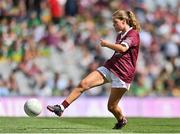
x=47, y=46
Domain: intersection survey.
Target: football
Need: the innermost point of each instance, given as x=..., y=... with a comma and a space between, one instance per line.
x=32, y=107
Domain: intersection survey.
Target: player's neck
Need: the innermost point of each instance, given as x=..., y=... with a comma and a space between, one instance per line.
x=124, y=33
x=127, y=27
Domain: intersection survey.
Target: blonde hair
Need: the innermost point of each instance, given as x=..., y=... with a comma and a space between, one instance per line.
x=129, y=16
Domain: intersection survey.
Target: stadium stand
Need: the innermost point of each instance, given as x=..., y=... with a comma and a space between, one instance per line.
x=43, y=53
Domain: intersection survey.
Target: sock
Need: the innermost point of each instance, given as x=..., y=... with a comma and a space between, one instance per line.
x=121, y=120
x=64, y=104
x=62, y=107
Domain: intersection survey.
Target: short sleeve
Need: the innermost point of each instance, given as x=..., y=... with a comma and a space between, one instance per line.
x=132, y=39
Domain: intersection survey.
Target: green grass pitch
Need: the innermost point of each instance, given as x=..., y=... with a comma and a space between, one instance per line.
x=86, y=125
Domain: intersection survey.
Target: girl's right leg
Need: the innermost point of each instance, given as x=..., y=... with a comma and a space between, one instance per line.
x=92, y=80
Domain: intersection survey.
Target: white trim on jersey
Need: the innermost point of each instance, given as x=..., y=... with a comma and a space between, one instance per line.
x=126, y=44
x=126, y=32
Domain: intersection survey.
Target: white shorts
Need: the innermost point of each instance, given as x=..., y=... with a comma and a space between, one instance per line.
x=114, y=80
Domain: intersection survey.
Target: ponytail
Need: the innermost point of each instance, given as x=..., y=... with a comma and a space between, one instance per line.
x=132, y=21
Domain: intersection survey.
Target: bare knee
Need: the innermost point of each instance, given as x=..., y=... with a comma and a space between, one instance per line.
x=84, y=85
x=112, y=108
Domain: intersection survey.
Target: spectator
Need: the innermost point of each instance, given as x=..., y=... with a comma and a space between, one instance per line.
x=4, y=91
x=71, y=7
x=56, y=10
x=12, y=84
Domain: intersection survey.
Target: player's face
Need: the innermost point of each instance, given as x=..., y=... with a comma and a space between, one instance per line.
x=118, y=24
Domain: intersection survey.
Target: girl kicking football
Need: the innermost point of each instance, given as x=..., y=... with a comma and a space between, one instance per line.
x=119, y=70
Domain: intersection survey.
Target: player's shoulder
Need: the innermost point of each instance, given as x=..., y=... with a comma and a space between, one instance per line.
x=133, y=32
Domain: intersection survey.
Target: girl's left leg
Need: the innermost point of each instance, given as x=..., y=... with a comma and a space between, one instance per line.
x=115, y=96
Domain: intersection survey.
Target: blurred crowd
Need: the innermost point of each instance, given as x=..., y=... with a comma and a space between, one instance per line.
x=48, y=46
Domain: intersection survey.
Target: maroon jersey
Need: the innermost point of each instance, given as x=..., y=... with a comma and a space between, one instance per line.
x=123, y=64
